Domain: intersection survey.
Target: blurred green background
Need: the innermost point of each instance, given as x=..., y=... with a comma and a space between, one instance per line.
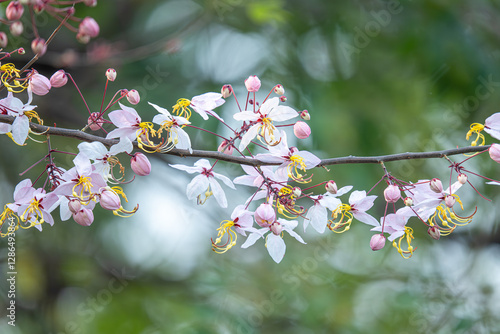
x=378, y=77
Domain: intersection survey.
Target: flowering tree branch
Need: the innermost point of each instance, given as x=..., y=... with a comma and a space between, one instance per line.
x=78, y=134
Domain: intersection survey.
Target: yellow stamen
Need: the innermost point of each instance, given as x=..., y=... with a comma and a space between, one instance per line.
x=344, y=210
x=225, y=227
x=406, y=254
x=476, y=128
x=86, y=186
x=181, y=108
x=12, y=219
x=266, y=132
x=9, y=73
x=207, y=194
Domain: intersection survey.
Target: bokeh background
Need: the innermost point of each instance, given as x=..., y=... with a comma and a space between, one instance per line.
x=378, y=77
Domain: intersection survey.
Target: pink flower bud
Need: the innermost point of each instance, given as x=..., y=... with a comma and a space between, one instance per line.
x=283, y=98
x=88, y=27
x=252, y=83
x=16, y=28
x=74, y=205
x=110, y=200
x=408, y=201
x=462, y=178
x=38, y=7
x=436, y=185
x=494, y=151
x=38, y=46
x=3, y=39
x=377, y=242
x=226, y=91
x=297, y=191
x=264, y=215
x=58, y=79
x=140, y=164
x=90, y=3
x=331, y=187
x=111, y=74
x=301, y=130
x=39, y=84
x=278, y=89
x=84, y=217
x=434, y=232
x=392, y=193
x=224, y=148
x=276, y=228
x=304, y=114
x=94, y=121
x=21, y=51
x=450, y=200
x=133, y=96
x=14, y=11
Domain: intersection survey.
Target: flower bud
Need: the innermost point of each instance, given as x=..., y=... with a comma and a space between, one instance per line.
x=39, y=84
x=408, y=201
x=392, y=193
x=111, y=74
x=74, y=205
x=278, y=89
x=94, y=121
x=133, y=96
x=462, y=178
x=16, y=28
x=283, y=98
x=301, y=130
x=434, y=232
x=21, y=51
x=276, y=228
x=110, y=200
x=304, y=114
x=264, y=215
x=252, y=83
x=494, y=151
x=58, y=79
x=14, y=11
x=38, y=46
x=226, y=91
x=39, y=7
x=331, y=187
x=224, y=148
x=449, y=200
x=377, y=242
x=436, y=185
x=140, y=164
x=89, y=27
x=3, y=39
x=84, y=217
x=297, y=191
x=90, y=3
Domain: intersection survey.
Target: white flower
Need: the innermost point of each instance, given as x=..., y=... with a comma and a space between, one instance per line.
x=205, y=104
x=274, y=242
x=317, y=215
x=205, y=183
x=173, y=124
x=99, y=153
x=263, y=120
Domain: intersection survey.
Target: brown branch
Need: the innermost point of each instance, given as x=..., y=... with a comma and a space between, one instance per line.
x=77, y=134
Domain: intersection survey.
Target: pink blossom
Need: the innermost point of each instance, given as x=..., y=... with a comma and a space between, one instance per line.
x=127, y=121
x=392, y=193
x=494, y=151
x=111, y=74
x=14, y=11
x=133, y=96
x=252, y=83
x=16, y=28
x=84, y=217
x=377, y=242
x=38, y=46
x=39, y=84
x=89, y=27
x=317, y=215
x=394, y=223
x=109, y=199
x=20, y=127
x=58, y=79
x=492, y=125
x=3, y=39
x=205, y=104
x=140, y=164
x=265, y=215
x=301, y=130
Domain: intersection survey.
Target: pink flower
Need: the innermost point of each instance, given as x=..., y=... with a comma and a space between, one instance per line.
x=109, y=199
x=38, y=46
x=127, y=121
x=14, y=11
x=58, y=79
x=494, y=151
x=133, y=96
x=3, y=39
x=394, y=223
x=317, y=215
x=16, y=28
x=111, y=74
x=360, y=203
x=492, y=125
x=84, y=217
x=392, y=193
x=140, y=164
x=39, y=84
x=252, y=83
x=205, y=104
x=301, y=130
x=274, y=242
x=377, y=242
x=20, y=127
x=265, y=215
x=88, y=27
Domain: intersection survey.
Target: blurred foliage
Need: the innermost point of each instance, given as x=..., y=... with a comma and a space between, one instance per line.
x=377, y=77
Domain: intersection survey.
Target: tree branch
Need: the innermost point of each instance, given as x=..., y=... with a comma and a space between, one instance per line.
x=77, y=134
